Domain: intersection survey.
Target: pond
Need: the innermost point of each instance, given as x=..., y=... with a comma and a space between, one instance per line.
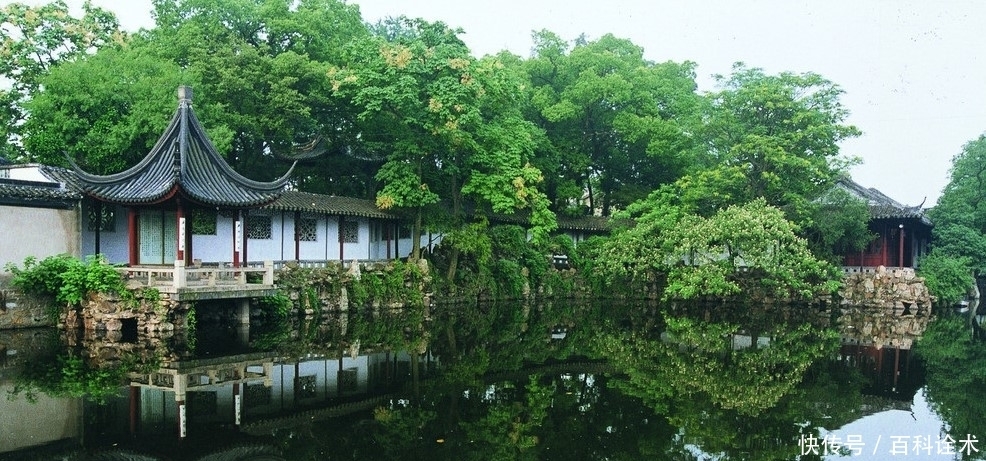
x=560, y=380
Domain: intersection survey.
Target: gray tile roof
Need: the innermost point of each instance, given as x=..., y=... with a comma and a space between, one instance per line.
x=182, y=161
x=882, y=206
x=39, y=194
x=328, y=204
x=586, y=223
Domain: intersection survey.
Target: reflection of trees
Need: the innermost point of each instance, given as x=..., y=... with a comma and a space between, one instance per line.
x=75, y=372
x=698, y=359
x=547, y=416
x=955, y=362
x=744, y=403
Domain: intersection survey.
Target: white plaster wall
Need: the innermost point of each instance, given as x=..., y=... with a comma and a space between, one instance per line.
x=27, y=173
x=311, y=249
x=284, y=229
x=267, y=249
x=216, y=248
x=281, y=245
x=38, y=232
x=113, y=245
x=361, y=249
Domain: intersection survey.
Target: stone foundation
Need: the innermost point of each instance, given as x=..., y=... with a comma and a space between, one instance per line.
x=884, y=308
x=104, y=312
x=898, y=290
x=18, y=310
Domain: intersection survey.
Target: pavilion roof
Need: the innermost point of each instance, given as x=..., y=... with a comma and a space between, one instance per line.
x=882, y=206
x=183, y=161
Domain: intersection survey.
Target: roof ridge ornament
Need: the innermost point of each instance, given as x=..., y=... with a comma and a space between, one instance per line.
x=184, y=96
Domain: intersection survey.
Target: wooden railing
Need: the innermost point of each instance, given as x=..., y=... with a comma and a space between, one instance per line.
x=181, y=276
x=319, y=263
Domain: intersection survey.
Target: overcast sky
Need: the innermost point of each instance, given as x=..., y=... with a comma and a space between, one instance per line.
x=912, y=70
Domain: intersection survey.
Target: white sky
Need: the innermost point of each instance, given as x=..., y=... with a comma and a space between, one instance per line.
x=912, y=70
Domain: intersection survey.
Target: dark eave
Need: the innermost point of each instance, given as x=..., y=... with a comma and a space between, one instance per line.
x=328, y=204
x=36, y=194
x=882, y=206
x=183, y=161
x=584, y=223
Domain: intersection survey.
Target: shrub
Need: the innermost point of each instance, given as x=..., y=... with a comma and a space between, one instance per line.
x=41, y=278
x=276, y=306
x=948, y=278
x=67, y=279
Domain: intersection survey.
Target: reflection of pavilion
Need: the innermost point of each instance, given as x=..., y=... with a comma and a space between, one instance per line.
x=233, y=390
x=878, y=342
x=891, y=370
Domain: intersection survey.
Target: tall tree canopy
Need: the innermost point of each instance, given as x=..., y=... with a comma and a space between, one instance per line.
x=445, y=122
x=258, y=89
x=773, y=137
x=404, y=113
x=33, y=40
x=619, y=125
x=960, y=215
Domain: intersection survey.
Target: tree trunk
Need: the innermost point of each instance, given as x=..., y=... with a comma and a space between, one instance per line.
x=456, y=218
x=416, y=238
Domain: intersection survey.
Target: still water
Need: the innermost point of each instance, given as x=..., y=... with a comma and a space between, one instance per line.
x=554, y=381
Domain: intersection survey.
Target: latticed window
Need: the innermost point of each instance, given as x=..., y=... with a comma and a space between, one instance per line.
x=348, y=379
x=306, y=387
x=350, y=232
x=259, y=228
x=203, y=403
x=102, y=218
x=257, y=395
x=307, y=230
x=204, y=222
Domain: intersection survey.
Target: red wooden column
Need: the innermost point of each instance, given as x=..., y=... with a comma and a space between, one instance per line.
x=297, y=236
x=134, y=408
x=900, y=254
x=885, y=235
x=133, y=237
x=340, y=232
x=99, y=225
x=387, y=229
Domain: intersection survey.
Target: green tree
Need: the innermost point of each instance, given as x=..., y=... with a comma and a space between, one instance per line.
x=447, y=122
x=619, y=125
x=960, y=214
x=106, y=110
x=34, y=40
x=838, y=225
x=773, y=137
x=948, y=278
x=259, y=72
x=747, y=250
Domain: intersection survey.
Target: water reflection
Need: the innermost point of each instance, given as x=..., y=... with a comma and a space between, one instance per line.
x=496, y=381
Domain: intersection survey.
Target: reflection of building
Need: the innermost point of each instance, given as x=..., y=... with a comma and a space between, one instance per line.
x=197, y=395
x=891, y=371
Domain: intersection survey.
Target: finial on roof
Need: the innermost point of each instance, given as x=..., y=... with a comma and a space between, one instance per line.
x=184, y=95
